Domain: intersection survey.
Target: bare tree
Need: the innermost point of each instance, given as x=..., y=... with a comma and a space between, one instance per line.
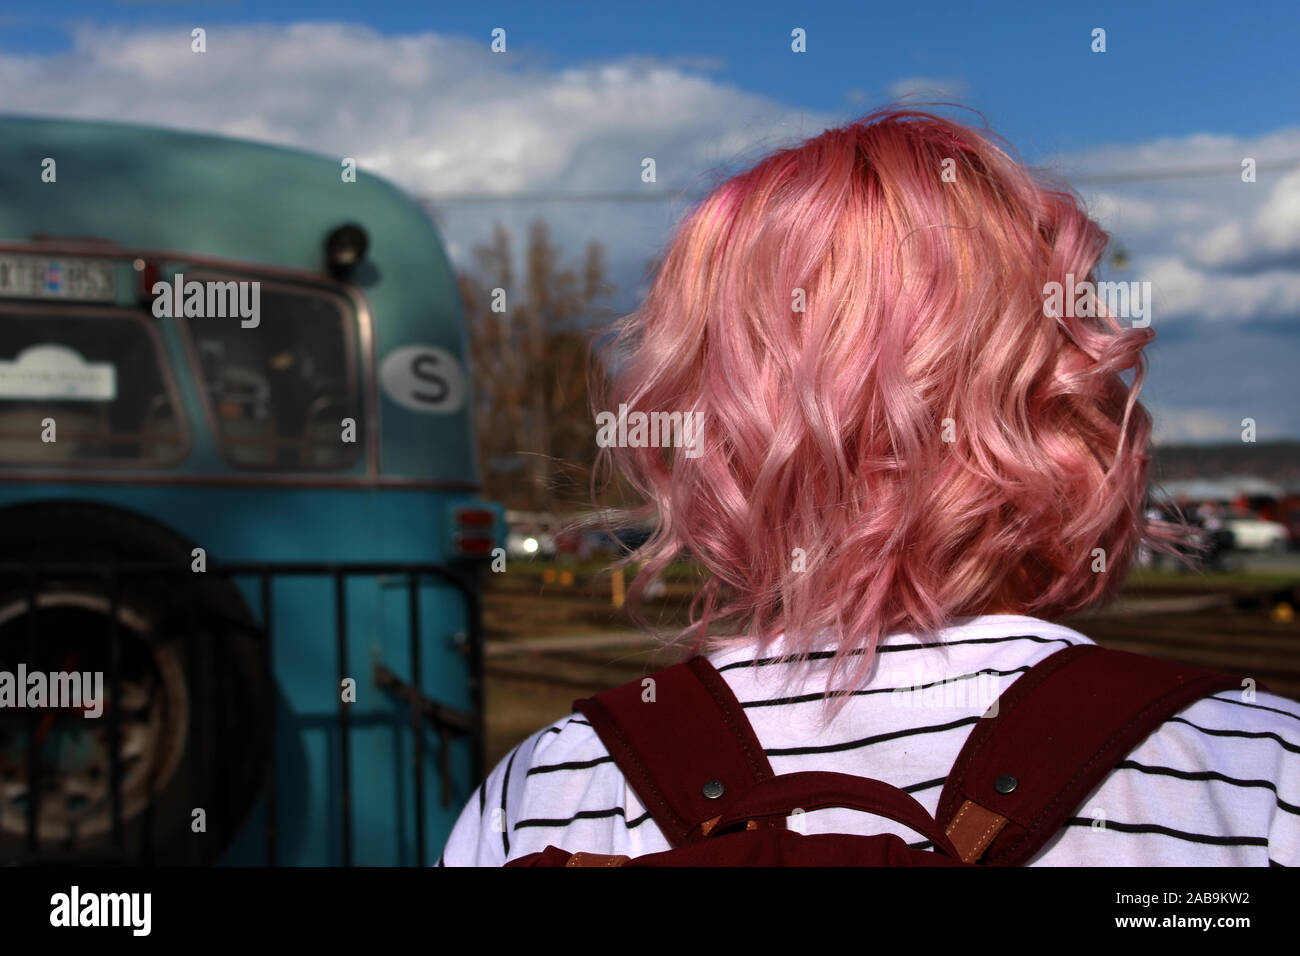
x=529, y=340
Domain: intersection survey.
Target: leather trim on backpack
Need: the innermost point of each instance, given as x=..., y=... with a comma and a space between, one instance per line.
x=973, y=829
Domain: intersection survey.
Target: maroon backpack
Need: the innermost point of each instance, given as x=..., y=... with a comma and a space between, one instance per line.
x=1060, y=728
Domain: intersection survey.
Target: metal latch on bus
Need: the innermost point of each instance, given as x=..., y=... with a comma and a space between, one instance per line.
x=446, y=721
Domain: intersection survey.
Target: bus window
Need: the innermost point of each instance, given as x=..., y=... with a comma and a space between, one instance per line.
x=98, y=376
x=278, y=392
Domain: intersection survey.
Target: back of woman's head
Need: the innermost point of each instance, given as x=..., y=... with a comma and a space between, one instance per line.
x=896, y=432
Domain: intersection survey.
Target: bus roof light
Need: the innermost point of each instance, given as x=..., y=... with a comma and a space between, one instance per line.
x=345, y=248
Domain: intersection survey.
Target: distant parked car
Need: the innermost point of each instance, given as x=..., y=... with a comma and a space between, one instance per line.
x=1255, y=534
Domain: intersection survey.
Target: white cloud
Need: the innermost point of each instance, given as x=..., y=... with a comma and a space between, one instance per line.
x=1184, y=290
x=1118, y=213
x=1192, y=425
x=1215, y=248
x=928, y=88
x=1264, y=237
x=434, y=113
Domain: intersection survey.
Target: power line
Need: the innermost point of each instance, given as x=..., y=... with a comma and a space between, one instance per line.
x=647, y=195
x=567, y=197
x=682, y=195
x=1185, y=172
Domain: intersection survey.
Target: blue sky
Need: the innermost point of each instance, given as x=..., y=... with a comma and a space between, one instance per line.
x=586, y=90
x=1169, y=68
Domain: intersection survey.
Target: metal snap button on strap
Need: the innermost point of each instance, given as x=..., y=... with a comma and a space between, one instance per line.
x=713, y=789
x=1005, y=783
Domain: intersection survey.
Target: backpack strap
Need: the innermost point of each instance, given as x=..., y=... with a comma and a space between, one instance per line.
x=692, y=757
x=684, y=744
x=1051, y=738
x=814, y=790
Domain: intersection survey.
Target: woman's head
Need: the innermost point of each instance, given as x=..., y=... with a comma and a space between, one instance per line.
x=895, y=431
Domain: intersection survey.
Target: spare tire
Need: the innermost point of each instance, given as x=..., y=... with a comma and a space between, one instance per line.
x=212, y=693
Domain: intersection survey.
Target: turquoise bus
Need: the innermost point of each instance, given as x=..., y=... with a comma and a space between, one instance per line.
x=238, y=507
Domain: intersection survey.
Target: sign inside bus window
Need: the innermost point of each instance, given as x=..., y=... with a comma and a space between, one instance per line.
x=55, y=371
x=35, y=277
x=423, y=378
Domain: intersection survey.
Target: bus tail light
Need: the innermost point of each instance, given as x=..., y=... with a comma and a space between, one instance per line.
x=475, y=518
x=473, y=545
x=474, y=532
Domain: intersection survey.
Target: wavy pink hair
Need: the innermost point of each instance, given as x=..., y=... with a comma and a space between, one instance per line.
x=922, y=250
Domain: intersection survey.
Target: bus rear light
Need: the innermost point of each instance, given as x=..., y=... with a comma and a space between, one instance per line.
x=475, y=518
x=473, y=545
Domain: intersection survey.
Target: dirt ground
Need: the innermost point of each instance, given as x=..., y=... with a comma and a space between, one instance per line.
x=548, y=644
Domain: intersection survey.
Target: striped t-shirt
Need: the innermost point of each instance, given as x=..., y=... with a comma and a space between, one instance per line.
x=1218, y=784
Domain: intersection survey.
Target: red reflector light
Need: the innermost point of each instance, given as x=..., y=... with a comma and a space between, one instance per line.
x=474, y=545
x=148, y=276
x=475, y=518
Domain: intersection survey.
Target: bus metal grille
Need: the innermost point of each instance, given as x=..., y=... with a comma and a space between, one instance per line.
x=425, y=714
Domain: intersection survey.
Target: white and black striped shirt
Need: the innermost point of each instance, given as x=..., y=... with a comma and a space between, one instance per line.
x=1218, y=784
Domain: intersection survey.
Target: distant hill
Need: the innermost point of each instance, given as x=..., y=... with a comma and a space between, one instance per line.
x=1274, y=461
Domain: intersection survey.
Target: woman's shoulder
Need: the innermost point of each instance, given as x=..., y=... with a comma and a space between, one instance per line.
x=1246, y=714
x=569, y=739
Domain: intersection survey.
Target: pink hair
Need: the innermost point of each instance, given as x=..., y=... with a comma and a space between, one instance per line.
x=922, y=250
